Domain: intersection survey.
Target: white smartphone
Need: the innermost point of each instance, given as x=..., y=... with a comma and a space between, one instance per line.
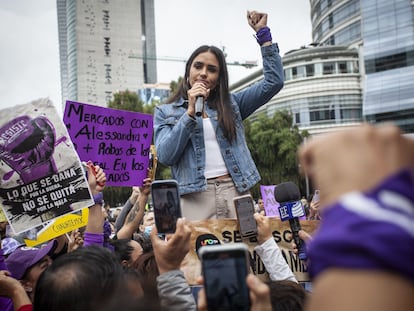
x=225, y=268
x=245, y=210
x=166, y=202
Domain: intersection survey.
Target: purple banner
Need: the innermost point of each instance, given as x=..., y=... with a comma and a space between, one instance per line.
x=117, y=140
x=41, y=177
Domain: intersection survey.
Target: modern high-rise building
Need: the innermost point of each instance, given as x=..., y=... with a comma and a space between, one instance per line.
x=359, y=67
x=105, y=47
x=383, y=31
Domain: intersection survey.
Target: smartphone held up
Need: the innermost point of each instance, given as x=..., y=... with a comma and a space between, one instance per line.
x=245, y=210
x=225, y=268
x=166, y=202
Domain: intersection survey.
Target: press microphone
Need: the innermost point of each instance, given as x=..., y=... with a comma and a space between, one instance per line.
x=288, y=196
x=199, y=106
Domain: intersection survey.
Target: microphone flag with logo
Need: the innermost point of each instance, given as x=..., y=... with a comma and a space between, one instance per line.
x=288, y=196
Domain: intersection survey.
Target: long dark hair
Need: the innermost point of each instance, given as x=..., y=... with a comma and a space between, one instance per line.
x=219, y=98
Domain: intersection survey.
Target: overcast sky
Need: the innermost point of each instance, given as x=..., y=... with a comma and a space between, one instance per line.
x=29, y=53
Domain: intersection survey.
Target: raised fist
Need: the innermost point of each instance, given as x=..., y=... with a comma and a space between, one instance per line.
x=27, y=145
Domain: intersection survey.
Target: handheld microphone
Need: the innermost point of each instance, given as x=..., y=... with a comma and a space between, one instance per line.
x=199, y=106
x=288, y=196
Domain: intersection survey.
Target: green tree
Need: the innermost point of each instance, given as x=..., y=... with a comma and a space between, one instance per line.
x=273, y=143
x=127, y=100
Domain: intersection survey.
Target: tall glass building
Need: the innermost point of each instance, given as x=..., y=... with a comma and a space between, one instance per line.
x=105, y=47
x=383, y=31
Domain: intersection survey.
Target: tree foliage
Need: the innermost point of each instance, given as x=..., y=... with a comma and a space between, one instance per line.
x=273, y=143
x=127, y=100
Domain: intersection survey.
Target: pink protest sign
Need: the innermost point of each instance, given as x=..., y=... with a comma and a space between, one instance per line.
x=117, y=140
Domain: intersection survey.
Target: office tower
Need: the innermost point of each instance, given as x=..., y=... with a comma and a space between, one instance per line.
x=105, y=47
x=383, y=30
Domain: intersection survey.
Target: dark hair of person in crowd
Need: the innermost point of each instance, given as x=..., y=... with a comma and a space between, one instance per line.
x=144, y=240
x=287, y=295
x=147, y=267
x=82, y=280
x=122, y=249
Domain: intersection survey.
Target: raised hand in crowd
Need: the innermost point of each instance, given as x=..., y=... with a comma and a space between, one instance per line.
x=139, y=197
x=96, y=178
x=366, y=174
x=75, y=240
x=304, y=236
x=13, y=289
x=355, y=160
x=173, y=289
x=270, y=253
x=259, y=295
x=96, y=219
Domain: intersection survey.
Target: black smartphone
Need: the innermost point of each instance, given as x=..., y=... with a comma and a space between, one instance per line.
x=225, y=268
x=244, y=206
x=166, y=203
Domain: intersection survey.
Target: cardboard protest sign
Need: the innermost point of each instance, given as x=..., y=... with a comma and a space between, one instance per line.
x=116, y=140
x=226, y=231
x=41, y=176
x=60, y=226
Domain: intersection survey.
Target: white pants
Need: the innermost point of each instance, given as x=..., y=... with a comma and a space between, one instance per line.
x=216, y=202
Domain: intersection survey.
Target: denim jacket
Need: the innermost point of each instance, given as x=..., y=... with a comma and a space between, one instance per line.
x=179, y=139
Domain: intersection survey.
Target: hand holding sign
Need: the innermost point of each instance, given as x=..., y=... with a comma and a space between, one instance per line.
x=96, y=178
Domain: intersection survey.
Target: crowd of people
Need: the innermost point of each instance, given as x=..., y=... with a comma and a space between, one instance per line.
x=365, y=208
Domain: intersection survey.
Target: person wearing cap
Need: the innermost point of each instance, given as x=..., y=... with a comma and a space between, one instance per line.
x=27, y=263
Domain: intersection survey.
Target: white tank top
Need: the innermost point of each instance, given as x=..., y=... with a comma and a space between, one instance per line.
x=215, y=165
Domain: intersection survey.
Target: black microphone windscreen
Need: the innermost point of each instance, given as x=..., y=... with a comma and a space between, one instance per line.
x=206, y=239
x=287, y=192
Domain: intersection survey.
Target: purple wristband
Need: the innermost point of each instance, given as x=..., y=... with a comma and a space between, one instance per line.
x=93, y=239
x=263, y=35
x=98, y=198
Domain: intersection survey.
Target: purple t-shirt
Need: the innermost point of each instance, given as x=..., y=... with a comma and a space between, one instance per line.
x=6, y=304
x=371, y=231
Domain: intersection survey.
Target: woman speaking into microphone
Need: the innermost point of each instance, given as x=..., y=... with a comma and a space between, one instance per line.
x=206, y=147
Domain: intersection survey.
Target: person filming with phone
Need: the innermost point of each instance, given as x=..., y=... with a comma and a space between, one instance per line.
x=199, y=132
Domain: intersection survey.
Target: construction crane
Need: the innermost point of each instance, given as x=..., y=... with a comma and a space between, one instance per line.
x=246, y=64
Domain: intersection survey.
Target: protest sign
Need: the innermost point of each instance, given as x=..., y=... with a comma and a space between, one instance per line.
x=270, y=203
x=41, y=176
x=226, y=231
x=116, y=140
x=60, y=226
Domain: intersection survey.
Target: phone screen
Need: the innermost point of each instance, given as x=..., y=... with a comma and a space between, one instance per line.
x=225, y=280
x=245, y=210
x=166, y=202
